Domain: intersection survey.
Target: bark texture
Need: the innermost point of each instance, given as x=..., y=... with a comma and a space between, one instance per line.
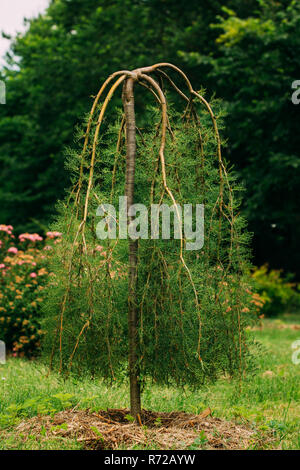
x=135, y=394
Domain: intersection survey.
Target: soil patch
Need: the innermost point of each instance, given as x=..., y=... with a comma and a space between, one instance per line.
x=113, y=429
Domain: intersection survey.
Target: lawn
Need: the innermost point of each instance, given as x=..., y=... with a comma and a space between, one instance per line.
x=269, y=402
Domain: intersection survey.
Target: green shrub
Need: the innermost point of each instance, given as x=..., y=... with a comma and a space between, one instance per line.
x=23, y=274
x=181, y=311
x=277, y=291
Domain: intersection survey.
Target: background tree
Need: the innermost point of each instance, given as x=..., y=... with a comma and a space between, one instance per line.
x=254, y=67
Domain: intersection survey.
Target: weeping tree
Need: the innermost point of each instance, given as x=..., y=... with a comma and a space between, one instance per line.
x=139, y=305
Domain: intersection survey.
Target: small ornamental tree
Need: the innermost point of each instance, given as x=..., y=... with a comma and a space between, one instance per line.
x=147, y=306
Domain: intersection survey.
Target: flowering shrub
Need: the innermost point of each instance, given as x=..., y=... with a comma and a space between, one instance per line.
x=23, y=275
x=278, y=292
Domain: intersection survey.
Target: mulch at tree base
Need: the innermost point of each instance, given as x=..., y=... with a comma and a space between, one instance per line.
x=110, y=429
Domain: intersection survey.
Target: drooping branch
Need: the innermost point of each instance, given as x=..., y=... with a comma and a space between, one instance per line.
x=169, y=192
x=99, y=122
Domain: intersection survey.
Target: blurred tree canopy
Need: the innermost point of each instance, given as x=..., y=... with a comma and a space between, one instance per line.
x=246, y=52
x=258, y=62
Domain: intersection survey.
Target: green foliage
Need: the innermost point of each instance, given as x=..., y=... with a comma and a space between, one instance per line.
x=193, y=307
x=278, y=292
x=200, y=442
x=37, y=405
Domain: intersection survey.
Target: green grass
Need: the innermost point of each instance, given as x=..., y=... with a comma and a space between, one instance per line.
x=270, y=403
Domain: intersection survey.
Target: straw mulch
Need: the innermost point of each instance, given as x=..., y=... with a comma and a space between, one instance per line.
x=110, y=429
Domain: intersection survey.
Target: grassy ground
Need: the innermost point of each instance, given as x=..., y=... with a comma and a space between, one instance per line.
x=269, y=402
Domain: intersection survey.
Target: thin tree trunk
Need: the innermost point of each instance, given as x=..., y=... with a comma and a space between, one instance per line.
x=135, y=394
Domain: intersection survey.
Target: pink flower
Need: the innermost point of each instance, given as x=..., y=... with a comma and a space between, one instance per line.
x=99, y=248
x=32, y=237
x=33, y=275
x=2, y=266
x=6, y=228
x=12, y=249
x=53, y=234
